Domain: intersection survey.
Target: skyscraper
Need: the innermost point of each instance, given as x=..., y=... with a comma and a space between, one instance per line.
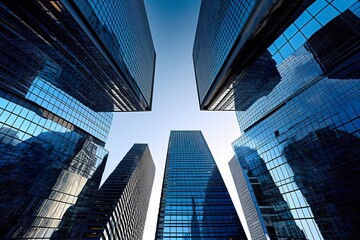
x=120, y=206
x=64, y=66
x=292, y=74
x=232, y=67
x=46, y=161
x=99, y=52
x=300, y=139
x=195, y=203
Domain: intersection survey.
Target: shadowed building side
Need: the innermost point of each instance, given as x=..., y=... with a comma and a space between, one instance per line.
x=120, y=206
x=100, y=53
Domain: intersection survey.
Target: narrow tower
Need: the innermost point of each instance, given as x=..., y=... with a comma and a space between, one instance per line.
x=195, y=203
x=120, y=207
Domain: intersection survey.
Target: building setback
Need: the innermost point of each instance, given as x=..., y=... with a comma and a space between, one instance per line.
x=64, y=67
x=299, y=152
x=195, y=203
x=120, y=206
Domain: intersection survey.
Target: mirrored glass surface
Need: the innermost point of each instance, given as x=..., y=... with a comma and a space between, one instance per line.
x=300, y=141
x=195, y=203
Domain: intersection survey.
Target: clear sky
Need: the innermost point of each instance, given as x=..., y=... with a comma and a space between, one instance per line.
x=175, y=103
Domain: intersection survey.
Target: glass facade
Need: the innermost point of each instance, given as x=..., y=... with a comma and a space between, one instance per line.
x=120, y=206
x=45, y=164
x=226, y=34
x=300, y=141
x=124, y=29
x=89, y=52
x=195, y=203
x=58, y=87
x=219, y=25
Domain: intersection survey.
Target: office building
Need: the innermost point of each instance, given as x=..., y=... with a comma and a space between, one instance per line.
x=64, y=67
x=195, y=203
x=120, y=206
x=99, y=52
x=46, y=161
x=232, y=66
x=299, y=142
x=74, y=220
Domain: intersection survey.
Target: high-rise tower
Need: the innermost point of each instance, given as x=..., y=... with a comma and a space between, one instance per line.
x=195, y=203
x=291, y=70
x=232, y=66
x=64, y=66
x=120, y=206
x=299, y=140
x=99, y=52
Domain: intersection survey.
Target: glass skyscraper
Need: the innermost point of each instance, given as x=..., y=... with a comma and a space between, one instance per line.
x=64, y=68
x=231, y=68
x=99, y=52
x=195, y=203
x=299, y=149
x=120, y=206
x=48, y=155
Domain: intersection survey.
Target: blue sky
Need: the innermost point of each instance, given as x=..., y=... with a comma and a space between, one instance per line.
x=175, y=103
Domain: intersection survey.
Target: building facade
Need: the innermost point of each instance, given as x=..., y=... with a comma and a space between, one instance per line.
x=120, y=206
x=245, y=186
x=195, y=203
x=100, y=52
x=62, y=73
x=261, y=200
x=46, y=160
x=298, y=152
x=230, y=72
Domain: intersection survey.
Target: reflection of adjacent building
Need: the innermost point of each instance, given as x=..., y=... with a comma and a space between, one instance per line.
x=64, y=67
x=254, y=82
x=102, y=54
x=41, y=177
x=325, y=165
x=195, y=226
x=195, y=203
x=74, y=219
x=306, y=130
x=53, y=153
x=343, y=61
x=218, y=209
x=266, y=212
x=119, y=208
